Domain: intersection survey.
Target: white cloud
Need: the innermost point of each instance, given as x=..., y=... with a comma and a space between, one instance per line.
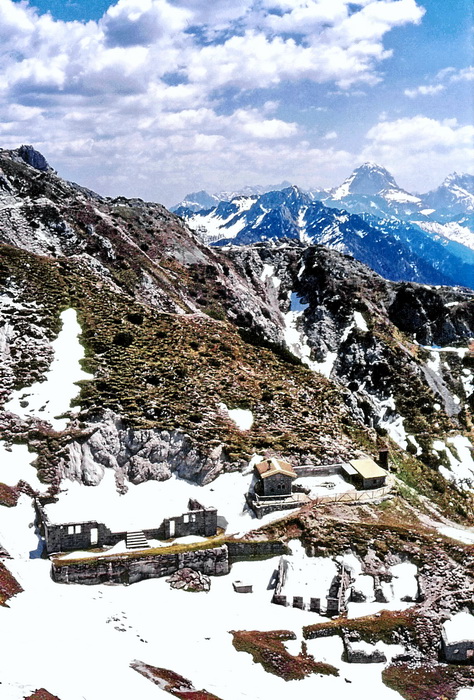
x=143, y=22
x=147, y=81
x=410, y=146
x=464, y=74
x=446, y=76
x=425, y=90
x=269, y=129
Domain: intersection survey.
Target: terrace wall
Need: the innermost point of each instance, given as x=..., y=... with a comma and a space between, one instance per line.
x=130, y=569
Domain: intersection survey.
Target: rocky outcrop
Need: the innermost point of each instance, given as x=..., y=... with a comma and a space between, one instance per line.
x=190, y=580
x=140, y=455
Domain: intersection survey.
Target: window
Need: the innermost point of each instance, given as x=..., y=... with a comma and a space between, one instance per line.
x=193, y=518
x=70, y=530
x=186, y=518
x=77, y=530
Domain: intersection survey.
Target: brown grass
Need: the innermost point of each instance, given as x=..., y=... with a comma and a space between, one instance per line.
x=268, y=649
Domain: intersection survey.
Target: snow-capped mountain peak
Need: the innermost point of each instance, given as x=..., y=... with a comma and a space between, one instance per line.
x=368, y=178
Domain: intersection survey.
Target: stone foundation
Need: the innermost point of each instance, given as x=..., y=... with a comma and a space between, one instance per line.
x=129, y=569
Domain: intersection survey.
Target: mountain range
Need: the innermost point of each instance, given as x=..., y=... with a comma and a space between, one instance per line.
x=326, y=360
x=145, y=286
x=426, y=238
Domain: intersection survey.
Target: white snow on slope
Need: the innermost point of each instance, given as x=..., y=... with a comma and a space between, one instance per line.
x=297, y=341
x=459, y=627
x=51, y=398
x=268, y=272
x=15, y=464
x=451, y=230
x=242, y=418
x=392, y=422
x=360, y=321
x=456, y=533
x=404, y=585
x=461, y=462
x=215, y=227
x=400, y=196
x=104, y=628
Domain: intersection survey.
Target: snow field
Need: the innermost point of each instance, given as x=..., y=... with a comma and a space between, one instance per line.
x=103, y=628
x=145, y=505
x=461, y=462
x=15, y=464
x=459, y=627
x=48, y=399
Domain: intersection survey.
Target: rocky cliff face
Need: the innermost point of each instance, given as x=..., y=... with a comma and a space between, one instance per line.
x=325, y=356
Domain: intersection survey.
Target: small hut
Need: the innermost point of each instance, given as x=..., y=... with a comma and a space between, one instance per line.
x=275, y=478
x=365, y=473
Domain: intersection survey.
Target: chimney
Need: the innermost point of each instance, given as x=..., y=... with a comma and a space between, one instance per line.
x=383, y=458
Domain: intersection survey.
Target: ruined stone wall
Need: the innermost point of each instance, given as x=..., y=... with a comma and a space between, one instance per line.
x=68, y=537
x=242, y=551
x=127, y=570
x=201, y=522
x=458, y=652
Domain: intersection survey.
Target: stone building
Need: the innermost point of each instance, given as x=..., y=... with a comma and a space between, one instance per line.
x=457, y=638
x=274, y=478
x=198, y=520
x=365, y=473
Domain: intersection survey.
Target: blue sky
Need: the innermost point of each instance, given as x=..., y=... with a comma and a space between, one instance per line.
x=157, y=98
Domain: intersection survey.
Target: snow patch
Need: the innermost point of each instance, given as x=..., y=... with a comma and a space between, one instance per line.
x=360, y=321
x=242, y=418
x=461, y=462
x=451, y=230
x=392, y=422
x=48, y=399
x=459, y=628
x=455, y=533
x=268, y=272
x=15, y=464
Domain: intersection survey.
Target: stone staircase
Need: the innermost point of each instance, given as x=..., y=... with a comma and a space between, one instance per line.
x=136, y=540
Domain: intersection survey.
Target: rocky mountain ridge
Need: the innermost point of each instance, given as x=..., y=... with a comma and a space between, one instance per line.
x=439, y=216
x=396, y=249
x=326, y=355
x=370, y=188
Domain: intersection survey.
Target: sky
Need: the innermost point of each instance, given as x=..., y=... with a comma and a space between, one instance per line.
x=159, y=98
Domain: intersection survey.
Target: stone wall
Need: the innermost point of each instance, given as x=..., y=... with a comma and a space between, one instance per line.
x=459, y=651
x=275, y=485
x=199, y=521
x=130, y=569
x=243, y=551
x=67, y=537
x=360, y=656
x=322, y=470
x=77, y=536
x=311, y=633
